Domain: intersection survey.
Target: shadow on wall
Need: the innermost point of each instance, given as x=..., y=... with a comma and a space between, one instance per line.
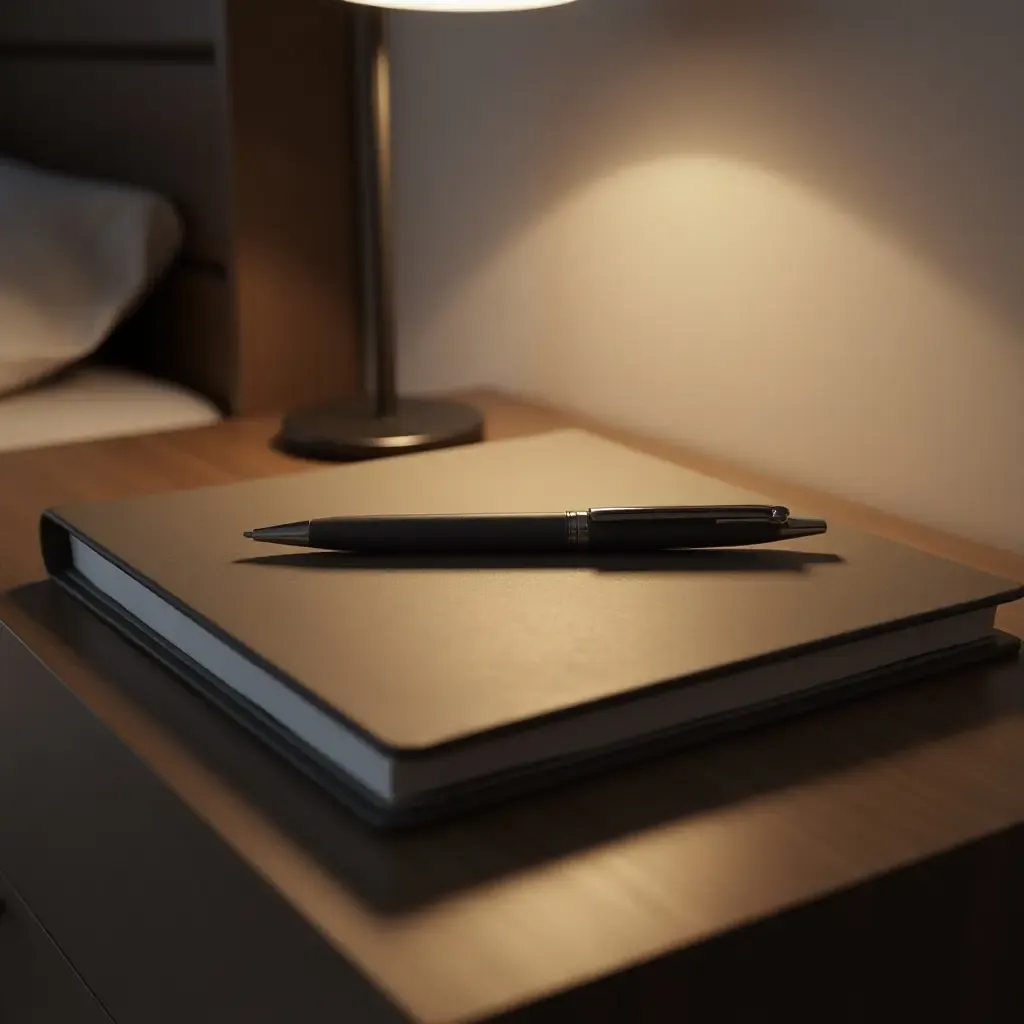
x=906, y=117
x=782, y=231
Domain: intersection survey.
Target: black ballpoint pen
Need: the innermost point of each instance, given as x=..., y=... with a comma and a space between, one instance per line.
x=596, y=529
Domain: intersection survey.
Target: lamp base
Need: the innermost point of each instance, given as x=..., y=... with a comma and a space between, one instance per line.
x=349, y=431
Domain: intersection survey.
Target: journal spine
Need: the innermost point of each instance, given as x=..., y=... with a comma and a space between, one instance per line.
x=55, y=544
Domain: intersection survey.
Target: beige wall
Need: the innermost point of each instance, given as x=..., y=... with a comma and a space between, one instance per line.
x=789, y=233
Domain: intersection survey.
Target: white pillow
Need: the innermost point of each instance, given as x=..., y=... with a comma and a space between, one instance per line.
x=75, y=257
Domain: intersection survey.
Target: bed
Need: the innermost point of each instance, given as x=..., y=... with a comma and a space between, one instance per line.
x=237, y=114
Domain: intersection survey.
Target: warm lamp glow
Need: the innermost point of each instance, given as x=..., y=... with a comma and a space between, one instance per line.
x=452, y=6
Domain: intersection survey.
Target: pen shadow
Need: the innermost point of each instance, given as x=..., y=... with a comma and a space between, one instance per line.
x=711, y=561
x=394, y=873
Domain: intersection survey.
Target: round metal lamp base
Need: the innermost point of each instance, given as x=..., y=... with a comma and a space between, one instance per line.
x=349, y=431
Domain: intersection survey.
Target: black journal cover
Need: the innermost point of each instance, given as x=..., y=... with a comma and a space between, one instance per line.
x=421, y=659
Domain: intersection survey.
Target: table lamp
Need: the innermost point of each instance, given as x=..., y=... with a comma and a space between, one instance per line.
x=383, y=423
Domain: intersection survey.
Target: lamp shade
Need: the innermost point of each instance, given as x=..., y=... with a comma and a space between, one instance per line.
x=452, y=6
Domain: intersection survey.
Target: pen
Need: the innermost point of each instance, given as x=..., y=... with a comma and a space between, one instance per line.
x=596, y=529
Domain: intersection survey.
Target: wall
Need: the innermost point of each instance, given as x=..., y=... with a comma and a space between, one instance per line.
x=789, y=233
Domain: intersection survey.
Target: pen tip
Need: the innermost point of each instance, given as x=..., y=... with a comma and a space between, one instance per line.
x=248, y=533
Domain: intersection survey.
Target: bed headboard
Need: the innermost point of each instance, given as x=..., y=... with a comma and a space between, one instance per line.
x=239, y=111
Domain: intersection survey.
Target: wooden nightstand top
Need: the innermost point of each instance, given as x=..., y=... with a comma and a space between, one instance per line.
x=239, y=450
x=472, y=919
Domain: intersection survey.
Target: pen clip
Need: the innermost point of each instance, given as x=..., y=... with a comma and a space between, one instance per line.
x=777, y=514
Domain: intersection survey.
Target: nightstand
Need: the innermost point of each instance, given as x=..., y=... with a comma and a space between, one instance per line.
x=859, y=863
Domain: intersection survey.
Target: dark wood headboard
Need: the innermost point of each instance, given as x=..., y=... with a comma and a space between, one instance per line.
x=240, y=112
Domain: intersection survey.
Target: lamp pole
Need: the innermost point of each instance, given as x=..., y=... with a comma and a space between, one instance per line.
x=372, y=65
x=382, y=422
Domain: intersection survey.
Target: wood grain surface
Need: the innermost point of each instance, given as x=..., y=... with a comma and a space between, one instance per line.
x=239, y=450
x=874, y=842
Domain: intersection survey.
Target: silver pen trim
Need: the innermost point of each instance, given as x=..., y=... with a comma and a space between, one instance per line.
x=577, y=530
x=694, y=513
x=296, y=534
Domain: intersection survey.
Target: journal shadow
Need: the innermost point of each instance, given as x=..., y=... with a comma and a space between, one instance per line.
x=396, y=872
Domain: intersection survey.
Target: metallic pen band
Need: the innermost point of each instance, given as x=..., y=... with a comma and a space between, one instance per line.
x=577, y=527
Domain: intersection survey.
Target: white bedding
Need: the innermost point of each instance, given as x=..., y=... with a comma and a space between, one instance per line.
x=76, y=256
x=92, y=402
